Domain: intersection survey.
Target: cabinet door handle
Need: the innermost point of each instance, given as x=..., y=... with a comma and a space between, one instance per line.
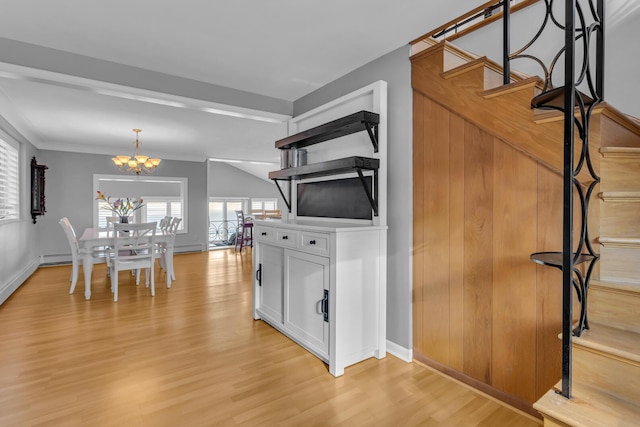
x=325, y=305
x=285, y=237
x=312, y=242
x=259, y=274
x=264, y=233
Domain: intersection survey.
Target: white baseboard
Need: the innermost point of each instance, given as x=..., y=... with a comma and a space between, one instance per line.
x=400, y=352
x=6, y=289
x=58, y=259
x=178, y=249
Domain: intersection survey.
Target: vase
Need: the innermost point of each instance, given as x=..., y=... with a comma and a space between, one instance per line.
x=124, y=220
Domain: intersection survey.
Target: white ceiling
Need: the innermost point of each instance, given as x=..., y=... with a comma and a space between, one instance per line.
x=277, y=51
x=79, y=75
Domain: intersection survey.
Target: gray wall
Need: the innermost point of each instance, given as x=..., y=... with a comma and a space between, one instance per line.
x=395, y=69
x=19, y=240
x=69, y=192
x=228, y=181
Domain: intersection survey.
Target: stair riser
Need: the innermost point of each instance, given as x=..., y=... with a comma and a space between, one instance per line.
x=620, y=219
x=620, y=174
x=451, y=60
x=617, y=376
x=620, y=264
x=611, y=307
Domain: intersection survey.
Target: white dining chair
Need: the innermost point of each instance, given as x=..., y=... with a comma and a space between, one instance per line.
x=133, y=249
x=164, y=224
x=77, y=252
x=164, y=258
x=168, y=260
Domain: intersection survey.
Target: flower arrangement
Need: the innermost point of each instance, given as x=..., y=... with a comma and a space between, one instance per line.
x=121, y=207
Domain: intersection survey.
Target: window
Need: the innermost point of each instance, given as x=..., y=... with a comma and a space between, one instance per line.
x=9, y=196
x=264, y=204
x=162, y=196
x=156, y=208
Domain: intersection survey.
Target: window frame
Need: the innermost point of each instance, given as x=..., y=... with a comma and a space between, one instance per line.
x=182, y=181
x=19, y=188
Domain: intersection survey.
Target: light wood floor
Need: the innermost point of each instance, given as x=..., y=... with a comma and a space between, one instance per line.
x=193, y=356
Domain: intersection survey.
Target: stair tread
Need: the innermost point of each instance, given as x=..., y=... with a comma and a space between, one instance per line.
x=620, y=151
x=619, y=241
x=525, y=83
x=588, y=407
x=619, y=286
x=612, y=341
x=620, y=196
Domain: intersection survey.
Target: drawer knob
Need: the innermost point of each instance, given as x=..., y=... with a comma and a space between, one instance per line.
x=264, y=233
x=285, y=237
x=312, y=242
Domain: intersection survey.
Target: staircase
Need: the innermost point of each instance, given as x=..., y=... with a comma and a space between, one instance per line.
x=606, y=358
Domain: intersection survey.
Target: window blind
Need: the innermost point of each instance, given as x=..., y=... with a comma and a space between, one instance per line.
x=9, y=188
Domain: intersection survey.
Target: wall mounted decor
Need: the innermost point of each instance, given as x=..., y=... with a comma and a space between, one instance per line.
x=37, y=189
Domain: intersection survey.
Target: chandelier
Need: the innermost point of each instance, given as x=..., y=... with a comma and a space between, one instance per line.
x=137, y=163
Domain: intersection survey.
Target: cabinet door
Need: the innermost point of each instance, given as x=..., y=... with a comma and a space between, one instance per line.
x=272, y=267
x=306, y=288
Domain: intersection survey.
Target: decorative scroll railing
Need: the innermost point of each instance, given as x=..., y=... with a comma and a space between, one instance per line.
x=576, y=261
x=221, y=233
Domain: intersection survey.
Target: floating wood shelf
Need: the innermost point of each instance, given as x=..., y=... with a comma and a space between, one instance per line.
x=330, y=167
x=554, y=259
x=362, y=120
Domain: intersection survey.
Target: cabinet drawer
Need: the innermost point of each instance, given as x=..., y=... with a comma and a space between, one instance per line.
x=315, y=242
x=265, y=234
x=286, y=237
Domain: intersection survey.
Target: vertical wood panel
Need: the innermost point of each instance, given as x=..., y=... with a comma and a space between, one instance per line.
x=481, y=207
x=418, y=223
x=456, y=235
x=514, y=275
x=549, y=282
x=436, y=231
x=478, y=274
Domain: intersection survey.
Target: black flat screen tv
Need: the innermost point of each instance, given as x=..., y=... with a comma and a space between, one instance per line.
x=340, y=198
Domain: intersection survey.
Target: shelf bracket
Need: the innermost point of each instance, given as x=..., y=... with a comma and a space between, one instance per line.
x=286, y=199
x=372, y=199
x=373, y=134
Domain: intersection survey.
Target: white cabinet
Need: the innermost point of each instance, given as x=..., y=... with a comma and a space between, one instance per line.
x=306, y=296
x=270, y=272
x=324, y=287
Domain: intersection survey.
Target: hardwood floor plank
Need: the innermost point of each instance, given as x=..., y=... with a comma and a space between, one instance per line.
x=193, y=356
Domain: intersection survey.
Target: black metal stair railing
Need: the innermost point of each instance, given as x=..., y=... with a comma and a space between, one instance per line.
x=577, y=261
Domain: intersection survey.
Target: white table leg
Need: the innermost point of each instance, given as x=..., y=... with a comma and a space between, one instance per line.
x=87, y=266
x=169, y=264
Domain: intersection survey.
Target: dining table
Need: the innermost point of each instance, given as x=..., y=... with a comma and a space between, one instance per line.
x=93, y=238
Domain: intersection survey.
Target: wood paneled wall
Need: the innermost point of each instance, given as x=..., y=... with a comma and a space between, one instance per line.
x=482, y=309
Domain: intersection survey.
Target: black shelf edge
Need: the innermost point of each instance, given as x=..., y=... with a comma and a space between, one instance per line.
x=340, y=127
x=330, y=167
x=554, y=259
x=554, y=99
